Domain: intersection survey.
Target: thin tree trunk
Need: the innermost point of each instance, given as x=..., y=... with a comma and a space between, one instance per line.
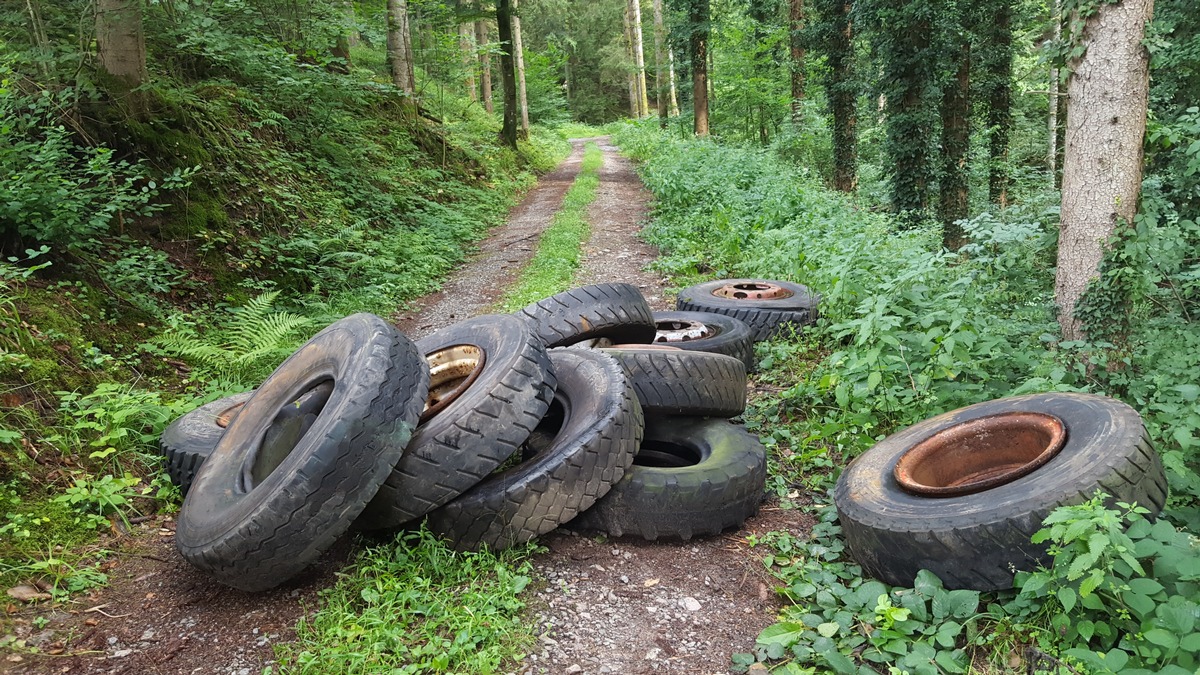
x=635, y=109
x=698, y=47
x=843, y=97
x=1052, y=117
x=341, y=46
x=485, y=65
x=674, y=89
x=1108, y=93
x=999, y=101
x=400, y=56
x=956, y=145
x=353, y=37
x=466, y=46
x=660, y=64
x=508, y=79
x=639, y=58
x=519, y=52
x=121, y=46
x=796, y=28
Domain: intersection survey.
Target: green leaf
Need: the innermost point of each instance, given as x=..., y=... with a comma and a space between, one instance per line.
x=927, y=583
x=839, y=662
x=783, y=634
x=1145, y=586
x=951, y=662
x=1163, y=638
x=1190, y=643
x=1086, y=630
x=1066, y=596
x=828, y=629
x=947, y=633
x=1115, y=660
x=1140, y=604
x=963, y=603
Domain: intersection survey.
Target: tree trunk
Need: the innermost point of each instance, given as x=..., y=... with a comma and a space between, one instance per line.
x=519, y=52
x=635, y=109
x=1052, y=118
x=911, y=121
x=956, y=146
x=674, y=89
x=400, y=56
x=1107, y=94
x=843, y=96
x=121, y=43
x=999, y=61
x=353, y=37
x=660, y=76
x=796, y=27
x=698, y=17
x=466, y=46
x=508, y=79
x=639, y=57
x=341, y=46
x=485, y=65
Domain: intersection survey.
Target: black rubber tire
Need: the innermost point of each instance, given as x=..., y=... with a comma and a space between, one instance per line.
x=977, y=541
x=189, y=440
x=726, y=335
x=764, y=317
x=721, y=485
x=253, y=521
x=614, y=311
x=677, y=382
x=473, y=435
x=596, y=426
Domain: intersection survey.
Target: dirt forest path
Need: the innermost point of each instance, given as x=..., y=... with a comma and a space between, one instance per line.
x=600, y=606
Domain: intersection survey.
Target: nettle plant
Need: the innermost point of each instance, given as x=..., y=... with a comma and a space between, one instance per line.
x=1123, y=594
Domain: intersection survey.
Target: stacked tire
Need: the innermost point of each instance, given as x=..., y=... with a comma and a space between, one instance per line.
x=492, y=431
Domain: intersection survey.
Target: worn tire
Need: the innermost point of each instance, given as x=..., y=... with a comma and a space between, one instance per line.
x=678, y=382
x=614, y=311
x=595, y=425
x=765, y=317
x=691, y=477
x=726, y=335
x=252, y=519
x=977, y=541
x=473, y=435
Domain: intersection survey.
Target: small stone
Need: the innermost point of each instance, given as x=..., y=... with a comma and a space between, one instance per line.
x=112, y=640
x=616, y=552
x=574, y=668
x=148, y=635
x=121, y=653
x=691, y=604
x=624, y=579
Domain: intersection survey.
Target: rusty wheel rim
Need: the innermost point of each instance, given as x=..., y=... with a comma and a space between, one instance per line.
x=675, y=330
x=753, y=290
x=451, y=372
x=981, y=454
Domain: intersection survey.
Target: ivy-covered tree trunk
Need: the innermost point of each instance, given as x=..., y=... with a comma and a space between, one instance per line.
x=519, y=53
x=482, y=37
x=698, y=20
x=956, y=145
x=912, y=117
x=400, y=56
x=121, y=47
x=660, y=76
x=1108, y=92
x=996, y=61
x=835, y=34
x=508, y=75
x=796, y=34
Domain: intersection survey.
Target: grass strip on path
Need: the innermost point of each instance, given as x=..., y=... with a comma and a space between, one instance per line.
x=552, y=268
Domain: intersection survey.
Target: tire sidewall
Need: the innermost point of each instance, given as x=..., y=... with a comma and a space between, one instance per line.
x=701, y=295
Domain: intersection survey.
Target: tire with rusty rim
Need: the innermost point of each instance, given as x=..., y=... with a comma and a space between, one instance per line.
x=583, y=445
x=766, y=306
x=691, y=477
x=487, y=410
x=974, y=536
x=706, y=332
x=259, y=513
x=677, y=382
x=189, y=440
x=614, y=311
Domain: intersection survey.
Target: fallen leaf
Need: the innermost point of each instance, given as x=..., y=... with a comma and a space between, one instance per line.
x=649, y=582
x=27, y=593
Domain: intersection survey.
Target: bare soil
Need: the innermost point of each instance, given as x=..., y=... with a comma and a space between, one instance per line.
x=602, y=605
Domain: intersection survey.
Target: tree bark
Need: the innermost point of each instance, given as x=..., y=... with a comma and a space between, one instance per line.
x=639, y=58
x=466, y=45
x=1108, y=93
x=674, y=89
x=660, y=77
x=519, y=52
x=999, y=61
x=956, y=145
x=796, y=28
x=485, y=65
x=121, y=46
x=698, y=18
x=508, y=79
x=400, y=56
x=341, y=47
x=635, y=108
x=1052, y=117
x=843, y=97
x=911, y=121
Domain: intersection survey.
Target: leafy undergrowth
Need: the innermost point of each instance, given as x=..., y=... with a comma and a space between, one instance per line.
x=553, y=267
x=416, y=606
x=908, y=331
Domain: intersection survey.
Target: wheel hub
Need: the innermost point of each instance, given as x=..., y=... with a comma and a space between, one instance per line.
x=680, y=331
x=755, y=290
x=451, y=372
x=980, y=454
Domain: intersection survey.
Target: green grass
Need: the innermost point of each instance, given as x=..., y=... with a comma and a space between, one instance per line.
x=416, y=606
x=552, y=268
x=579, y=130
